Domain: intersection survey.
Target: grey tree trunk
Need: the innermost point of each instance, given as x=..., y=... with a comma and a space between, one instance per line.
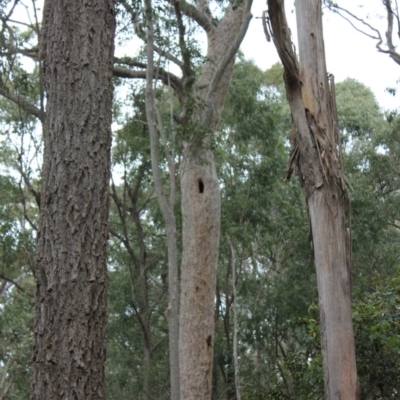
x=76, y=48
x=200, y=191
x=318, y=155
x=201, y=207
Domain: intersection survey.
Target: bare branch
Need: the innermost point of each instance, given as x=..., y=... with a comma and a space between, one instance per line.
x=124, y=237
x=22, y=102
x=163, y=75
x=169, y=156
x=151, y=119
x=138, y=26
x=265, y=26
x=389, y=33
x=11, y=10
x=187, y=69
x=16, y=284
x=35, y=193
x=168, y=56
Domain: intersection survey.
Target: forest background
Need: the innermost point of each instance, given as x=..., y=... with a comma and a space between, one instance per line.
x=271, y=304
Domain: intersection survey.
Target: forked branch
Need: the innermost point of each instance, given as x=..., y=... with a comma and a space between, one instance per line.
x=391, y=13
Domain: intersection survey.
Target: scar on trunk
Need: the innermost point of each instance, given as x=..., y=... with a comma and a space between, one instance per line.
x=209, y=341
x=201, y=186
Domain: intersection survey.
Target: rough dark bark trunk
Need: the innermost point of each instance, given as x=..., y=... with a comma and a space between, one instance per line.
x=317, y=151
x=70, y=315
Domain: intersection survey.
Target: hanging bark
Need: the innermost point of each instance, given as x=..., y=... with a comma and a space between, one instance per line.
x=317, y=153
x=70, y=315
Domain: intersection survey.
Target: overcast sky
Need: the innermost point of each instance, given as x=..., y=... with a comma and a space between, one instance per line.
x=348, y=52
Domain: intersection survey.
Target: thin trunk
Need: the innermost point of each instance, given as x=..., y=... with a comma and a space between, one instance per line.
x=70, y=314
x=144, y=309
x=235, y=325
x=317, y=151
x=167, y=209
x=146, y=373
x=3, y=287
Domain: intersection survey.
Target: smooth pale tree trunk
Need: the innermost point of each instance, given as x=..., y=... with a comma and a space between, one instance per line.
x=200, y=193
x=201, y=207
x=317, y=153
x=76, y=48
x=167, y=209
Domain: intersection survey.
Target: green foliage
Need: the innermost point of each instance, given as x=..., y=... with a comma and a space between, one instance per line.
x=264, y=217
x=358, y=110
x=16, y=332
x=377, y=335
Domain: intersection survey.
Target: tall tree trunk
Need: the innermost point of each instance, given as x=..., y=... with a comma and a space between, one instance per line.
x=201, y=223
x=70, y=315
x=317, y=151
x=201, y=207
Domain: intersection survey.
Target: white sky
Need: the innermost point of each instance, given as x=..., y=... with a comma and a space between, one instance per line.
x=348, y=52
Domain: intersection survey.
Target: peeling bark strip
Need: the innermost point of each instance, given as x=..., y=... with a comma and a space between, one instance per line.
x=70, y=314
x=317, y=153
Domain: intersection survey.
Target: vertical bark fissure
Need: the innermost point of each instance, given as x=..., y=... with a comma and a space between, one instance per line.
x=76, y=47
x=317, y=152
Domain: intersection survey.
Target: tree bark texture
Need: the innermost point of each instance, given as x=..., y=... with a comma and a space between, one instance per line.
x=318, y=155
x=201, y=208
x=76, y=48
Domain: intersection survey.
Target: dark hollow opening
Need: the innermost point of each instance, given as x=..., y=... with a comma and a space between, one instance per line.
x=201, y=186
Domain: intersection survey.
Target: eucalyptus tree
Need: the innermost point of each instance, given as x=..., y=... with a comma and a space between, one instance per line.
x=202, y=97
x=318, y=156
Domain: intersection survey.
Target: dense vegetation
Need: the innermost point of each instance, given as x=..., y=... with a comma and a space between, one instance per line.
x=264, y=237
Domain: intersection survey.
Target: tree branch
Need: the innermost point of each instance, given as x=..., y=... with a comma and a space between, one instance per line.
x=141, y=34
x=18, y=286
x=198, y=16
x=389, y=33
x=22, y=102
x=35, y=193
x=230, y=54
x=167, y=78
